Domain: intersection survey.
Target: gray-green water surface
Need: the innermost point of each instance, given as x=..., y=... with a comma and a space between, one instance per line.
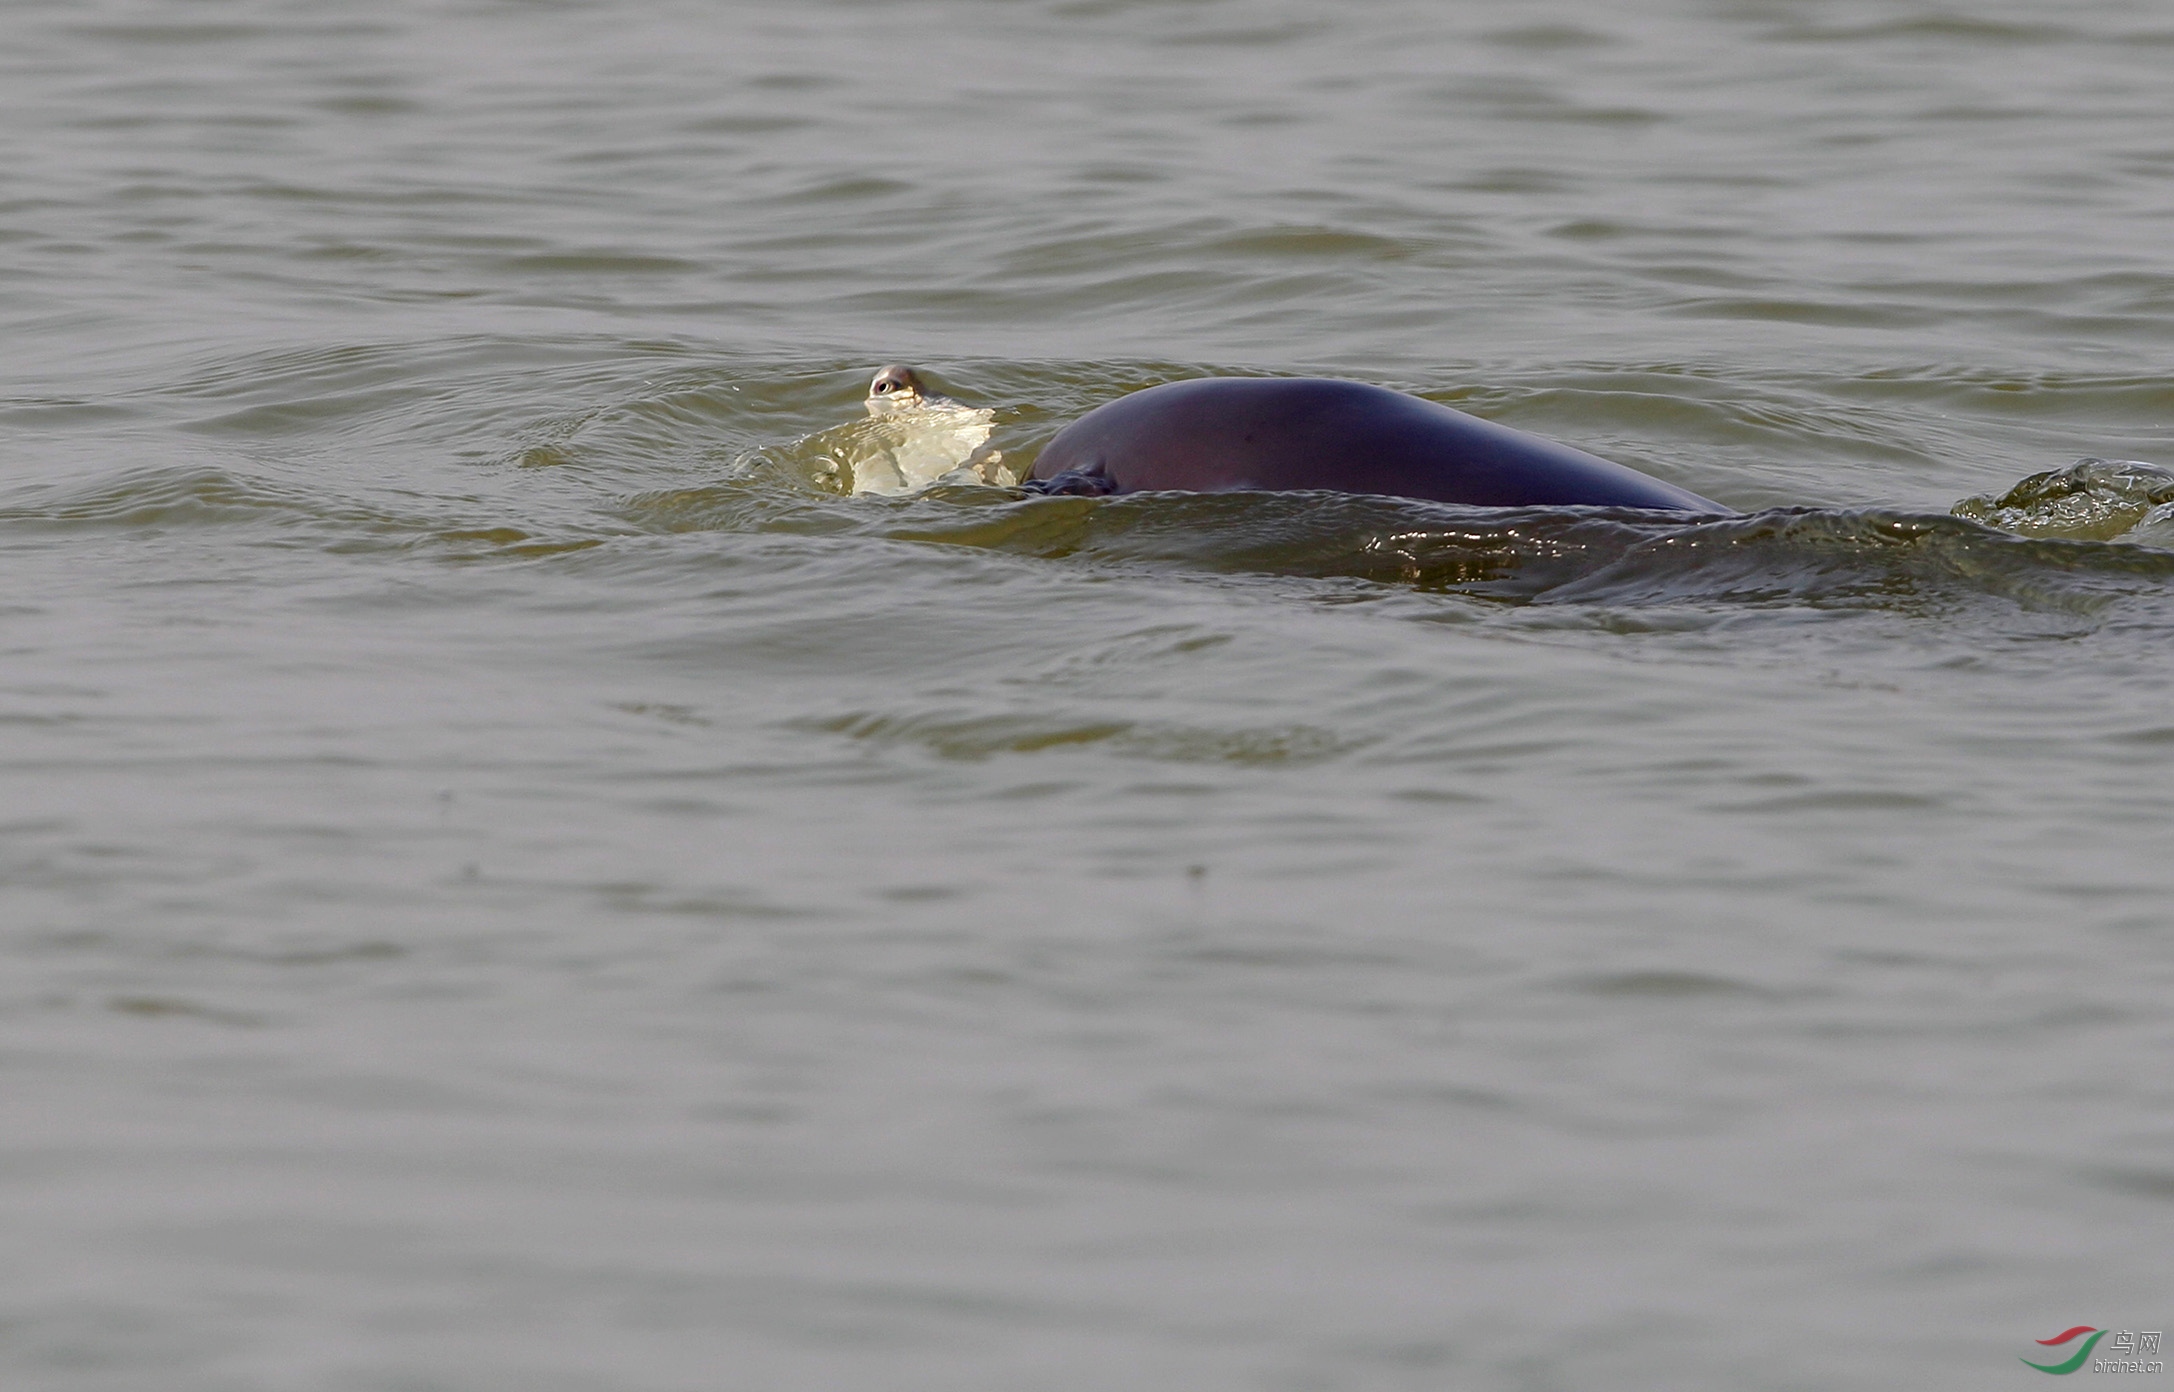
x=509, y=879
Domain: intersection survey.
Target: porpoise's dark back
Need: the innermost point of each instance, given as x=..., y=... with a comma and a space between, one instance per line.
x=1217, y=434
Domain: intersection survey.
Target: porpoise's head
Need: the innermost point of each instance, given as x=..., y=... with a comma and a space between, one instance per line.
x=895, y=388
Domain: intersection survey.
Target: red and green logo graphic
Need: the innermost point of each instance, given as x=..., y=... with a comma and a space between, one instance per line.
x=2071, y=1364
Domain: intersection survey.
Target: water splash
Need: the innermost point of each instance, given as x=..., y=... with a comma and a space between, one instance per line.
x=898, y=452
x=2090, y=500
